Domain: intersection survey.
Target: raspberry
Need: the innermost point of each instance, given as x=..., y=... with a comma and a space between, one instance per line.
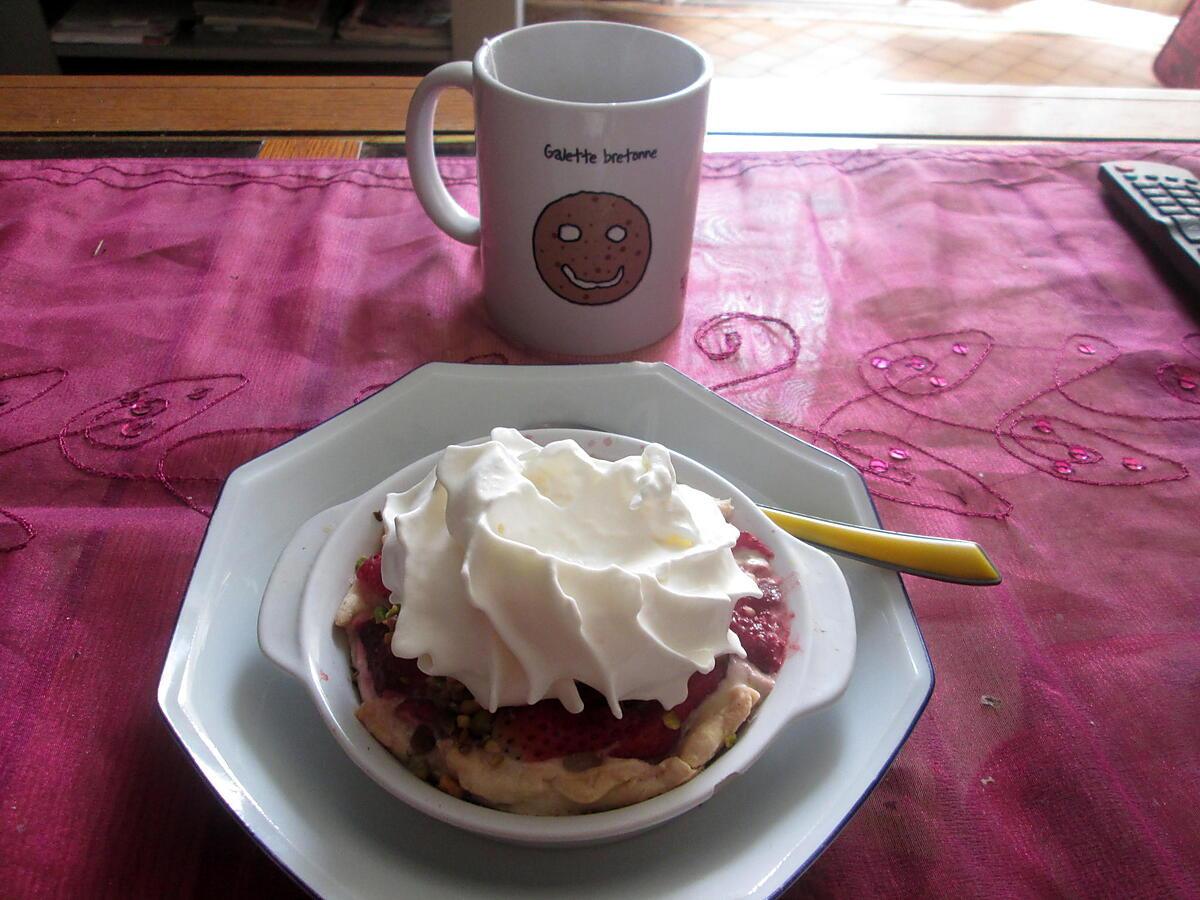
x=747, y=541
x=763, y=624
x=370, y=575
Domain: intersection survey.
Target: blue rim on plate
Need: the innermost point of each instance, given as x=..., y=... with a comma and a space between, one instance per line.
x=174, y=681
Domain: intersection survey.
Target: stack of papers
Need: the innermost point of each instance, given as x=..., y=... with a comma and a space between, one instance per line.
x=398, y=23
x=120, y=22
x=264, y=21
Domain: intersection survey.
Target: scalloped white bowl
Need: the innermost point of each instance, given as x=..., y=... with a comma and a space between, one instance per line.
x=296, y=631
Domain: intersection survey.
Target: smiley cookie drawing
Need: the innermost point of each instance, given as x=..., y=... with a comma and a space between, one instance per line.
x=591, y=248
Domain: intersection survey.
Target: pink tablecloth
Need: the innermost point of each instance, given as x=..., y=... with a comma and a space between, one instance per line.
x=969, y=326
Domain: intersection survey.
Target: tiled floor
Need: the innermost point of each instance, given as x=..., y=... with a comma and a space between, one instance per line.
x=1042, y=42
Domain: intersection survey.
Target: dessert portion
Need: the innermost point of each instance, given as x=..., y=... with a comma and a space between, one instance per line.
x=547, y=633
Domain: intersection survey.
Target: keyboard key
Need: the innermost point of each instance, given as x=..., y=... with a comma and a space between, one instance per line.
x=1190, y=227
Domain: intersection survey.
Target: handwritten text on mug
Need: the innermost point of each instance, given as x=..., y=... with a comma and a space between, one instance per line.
x=585, y=156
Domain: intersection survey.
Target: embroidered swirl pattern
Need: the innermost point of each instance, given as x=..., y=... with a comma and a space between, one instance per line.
x=915, y=378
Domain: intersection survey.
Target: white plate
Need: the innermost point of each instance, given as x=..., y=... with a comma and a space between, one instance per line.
x=255, y=735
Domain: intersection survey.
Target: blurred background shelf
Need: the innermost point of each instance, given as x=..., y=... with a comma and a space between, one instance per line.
x=185, y=48
x=32, y=42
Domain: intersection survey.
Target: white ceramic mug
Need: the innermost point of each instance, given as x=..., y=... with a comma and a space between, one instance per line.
x=589, y=138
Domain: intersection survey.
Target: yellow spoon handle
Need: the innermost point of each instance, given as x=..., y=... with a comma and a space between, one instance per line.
x=943, y=559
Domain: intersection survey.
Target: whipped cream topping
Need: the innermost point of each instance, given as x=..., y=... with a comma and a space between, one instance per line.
x=521, y=569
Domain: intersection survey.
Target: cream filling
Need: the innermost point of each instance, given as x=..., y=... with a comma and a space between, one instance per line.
x=586, y=285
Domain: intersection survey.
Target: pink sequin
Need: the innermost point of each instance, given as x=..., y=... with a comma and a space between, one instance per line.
x=960, y=349
x=133, y=429
x=1133, y=464
x=1180, y=381
x=879, y=362
x=1043, y=426
x=898, y=453
x=1086, y=349
x=1062, y=467
x=148, y=406
x=878, y=466
x=938, y=381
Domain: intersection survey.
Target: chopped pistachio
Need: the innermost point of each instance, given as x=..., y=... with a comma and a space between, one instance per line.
x=383, y=613
x=730, y=740
x=358, y=563
x=671, y=720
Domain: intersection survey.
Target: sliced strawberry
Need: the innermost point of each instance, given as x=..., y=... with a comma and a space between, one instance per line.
x=370, y=575
x=700, y=686
x=649, y=738
x=655, y=737
x=547, y=731
x=747, y=541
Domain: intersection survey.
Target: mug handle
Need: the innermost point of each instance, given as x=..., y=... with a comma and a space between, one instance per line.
x=422, y=163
